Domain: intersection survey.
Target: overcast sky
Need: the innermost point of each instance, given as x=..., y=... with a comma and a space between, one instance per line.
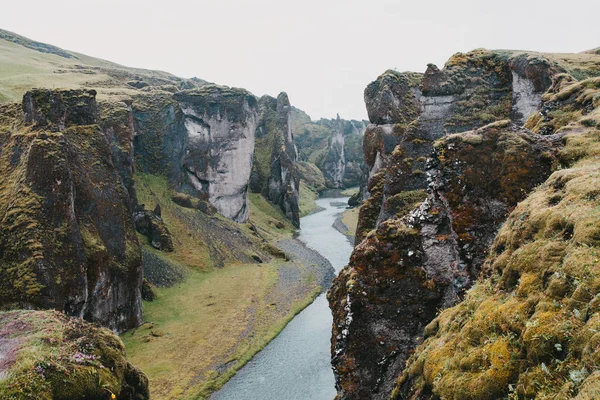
x=321, y=52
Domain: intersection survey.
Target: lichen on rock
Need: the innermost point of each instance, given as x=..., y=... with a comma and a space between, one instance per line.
x=48, y=355
x=438, y=194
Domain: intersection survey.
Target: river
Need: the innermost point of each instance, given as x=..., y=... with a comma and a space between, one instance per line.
x=296, y=364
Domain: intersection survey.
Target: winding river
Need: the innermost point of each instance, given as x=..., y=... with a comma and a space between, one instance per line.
x=296, y=364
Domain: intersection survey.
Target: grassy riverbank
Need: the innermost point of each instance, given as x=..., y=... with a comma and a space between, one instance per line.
x=350, y=219
x=201, y=330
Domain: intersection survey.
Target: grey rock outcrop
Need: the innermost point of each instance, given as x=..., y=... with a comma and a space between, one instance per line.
x=220, y=123
x=274, y=172
x=392, y=98
x=334, y=166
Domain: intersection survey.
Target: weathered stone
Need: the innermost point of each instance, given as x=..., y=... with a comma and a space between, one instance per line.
x=66, y=233
x=416, y=256
x=313, y=140
x=334, y=166
x=151, y=225
x=274, y=172
x=220, y=123
x=57, y=109
x=417, y=262
x=393, y=98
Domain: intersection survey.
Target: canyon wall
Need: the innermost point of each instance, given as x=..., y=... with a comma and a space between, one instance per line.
x=67, y=237
x=274, y=172
x=447, y=164
x=333, y=146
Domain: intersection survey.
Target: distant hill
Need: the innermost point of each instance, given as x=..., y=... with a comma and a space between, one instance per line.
x=26, y=64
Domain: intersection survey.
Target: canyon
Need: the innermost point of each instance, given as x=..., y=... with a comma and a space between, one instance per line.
x=118, y=187
x=164, y=210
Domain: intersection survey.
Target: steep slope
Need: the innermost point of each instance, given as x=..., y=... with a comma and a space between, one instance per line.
x=334, y=146
x=67, y=237
x=437, y=200
x=274, y=171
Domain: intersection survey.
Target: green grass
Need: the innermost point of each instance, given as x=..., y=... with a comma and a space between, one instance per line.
x=198, y=333
x=350, y=191
x=196, y=322
x=22, y=69
x=350, y=219
x=306, y=200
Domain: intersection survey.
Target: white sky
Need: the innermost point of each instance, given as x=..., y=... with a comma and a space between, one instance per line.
x=321, y=52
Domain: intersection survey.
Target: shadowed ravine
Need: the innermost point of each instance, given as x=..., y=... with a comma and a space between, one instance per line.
x=296, y=364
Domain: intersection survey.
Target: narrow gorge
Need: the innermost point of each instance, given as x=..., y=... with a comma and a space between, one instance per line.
x=173, y=238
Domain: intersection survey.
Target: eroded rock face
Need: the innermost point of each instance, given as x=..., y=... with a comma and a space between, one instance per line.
x=220, y=123
x=58, y=109
x=274, y=171
x=334, y=166
x=150, y=224
x=535, y=309
x=314, y=140
x=66, y=234
x=434, y=204
x=531, y=77
x=417, y=262
x=393, y=98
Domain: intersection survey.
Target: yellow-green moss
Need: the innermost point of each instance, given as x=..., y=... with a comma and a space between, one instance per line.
x=528, y=328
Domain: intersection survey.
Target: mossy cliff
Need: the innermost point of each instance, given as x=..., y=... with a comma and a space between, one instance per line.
x=67, y=237
x=274, y=171
x=49, y=356
x=438, y=199
x=334, y=146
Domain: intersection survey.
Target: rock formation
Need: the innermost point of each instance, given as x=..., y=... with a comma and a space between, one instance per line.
x=334, y=146
x=446, y=167
x=533, y=315
x=334, y=165
x=66, y=232
x=72, y=359
x=274, y=172
x=220, y=123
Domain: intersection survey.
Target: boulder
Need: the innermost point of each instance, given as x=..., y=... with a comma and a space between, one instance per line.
x=73, y=359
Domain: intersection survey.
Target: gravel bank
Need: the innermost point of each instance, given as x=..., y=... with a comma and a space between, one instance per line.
x=315, y=262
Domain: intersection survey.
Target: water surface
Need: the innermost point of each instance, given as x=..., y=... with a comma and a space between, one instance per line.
x=296, y=364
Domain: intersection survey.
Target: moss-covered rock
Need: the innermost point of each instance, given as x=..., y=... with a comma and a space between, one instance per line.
x=416, y=256
x=274, y=171
x=66, y=232
x=422, y=257
x=48, y=355
x=525, y=329
x=150, y=224
x=316, y=145
x=393, y=98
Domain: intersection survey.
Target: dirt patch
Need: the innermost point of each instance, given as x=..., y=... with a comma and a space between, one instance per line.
x=12, y=330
